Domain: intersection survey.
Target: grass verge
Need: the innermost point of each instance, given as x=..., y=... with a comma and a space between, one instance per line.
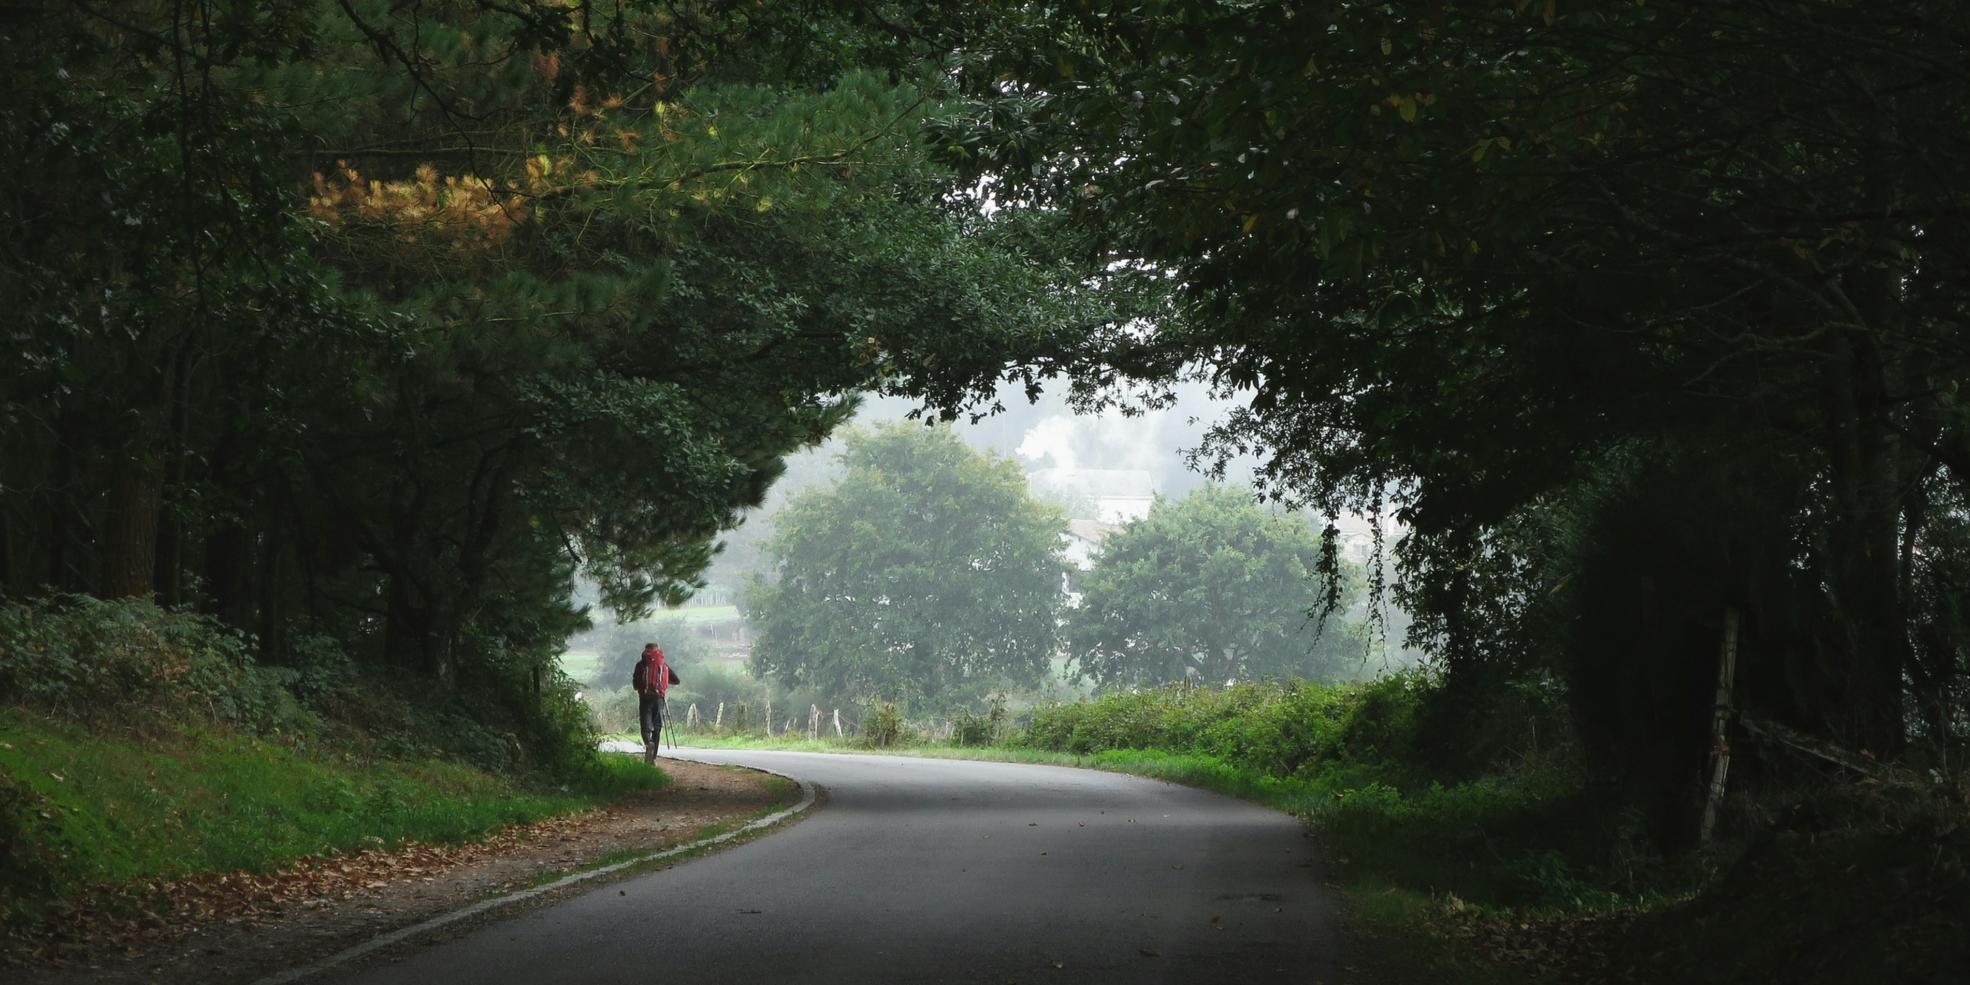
x=80, y=809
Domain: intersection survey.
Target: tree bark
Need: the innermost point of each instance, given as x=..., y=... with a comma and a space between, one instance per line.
x=418, y=631
x=1720, y=720
x=1860, y=699
x=129, y=539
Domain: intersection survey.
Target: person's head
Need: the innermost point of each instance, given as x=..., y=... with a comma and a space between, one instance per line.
x=652, y=650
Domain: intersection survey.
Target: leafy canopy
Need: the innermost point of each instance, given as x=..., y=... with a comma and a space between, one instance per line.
x=1462, y=259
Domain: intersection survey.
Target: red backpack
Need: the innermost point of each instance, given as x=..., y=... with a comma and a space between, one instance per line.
x=639, y=678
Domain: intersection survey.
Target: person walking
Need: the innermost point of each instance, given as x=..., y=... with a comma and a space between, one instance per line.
x=652, y=679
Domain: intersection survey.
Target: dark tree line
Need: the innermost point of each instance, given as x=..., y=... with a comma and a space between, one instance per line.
x=384, y=317
x=381, y=320
x=1634, y=313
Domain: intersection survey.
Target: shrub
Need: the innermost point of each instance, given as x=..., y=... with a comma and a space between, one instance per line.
x=614, y=711
x=321, y=675
x=969, y=729
x=883, y=726
x=710, y=682
x=86, y=658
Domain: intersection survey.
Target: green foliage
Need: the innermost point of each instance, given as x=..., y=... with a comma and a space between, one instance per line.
x=128, y=661
x=972, y=729
x=619, y=647
x=883, y=725
x=130, y=664
x=711, y=683
x=1281, y=728
x=925, y=574
x=1212, y=587
x=82, y=806
x=1900, y=859
x=1457, y=259
x=356, y=367
x=1364, y=763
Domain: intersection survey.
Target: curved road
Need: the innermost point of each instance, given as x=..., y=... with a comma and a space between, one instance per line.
x=925, y=870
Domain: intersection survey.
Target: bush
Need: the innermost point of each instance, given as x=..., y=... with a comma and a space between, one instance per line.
x=883, y=726
x=321, y=675
x=91, y=659
x=711, y=682
x=614, y=711
x=1363, y=760
x=126, y=661
x=619, y=646
x=969, y=729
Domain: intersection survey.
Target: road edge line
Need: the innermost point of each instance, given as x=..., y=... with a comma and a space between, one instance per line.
x=390, y=938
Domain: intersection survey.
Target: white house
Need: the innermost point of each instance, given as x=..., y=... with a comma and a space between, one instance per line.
x=1083, y=538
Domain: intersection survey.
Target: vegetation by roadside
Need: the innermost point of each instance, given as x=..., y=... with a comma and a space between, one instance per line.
x=139, y=746
x=84, y=809
x=237, y=927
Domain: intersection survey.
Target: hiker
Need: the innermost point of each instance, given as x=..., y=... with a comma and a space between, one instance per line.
x=652, y=678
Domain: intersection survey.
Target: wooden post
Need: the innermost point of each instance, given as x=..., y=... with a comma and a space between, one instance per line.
x=720, y=723
x=691, y=717
x=814, y=721
x=769, y=716
x=1720, y=721
x=837, y=723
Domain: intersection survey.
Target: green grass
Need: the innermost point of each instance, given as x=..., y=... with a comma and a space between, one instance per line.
x=82, y=809
x=581, y=664
x=704, y=614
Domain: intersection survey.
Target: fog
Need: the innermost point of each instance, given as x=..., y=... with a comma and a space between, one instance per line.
x=1041, y=436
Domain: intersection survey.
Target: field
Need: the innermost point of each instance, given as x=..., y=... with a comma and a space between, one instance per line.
x=580, y=664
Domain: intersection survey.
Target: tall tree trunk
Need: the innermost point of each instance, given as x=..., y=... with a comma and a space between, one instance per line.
x=273, y=589
x=9, y=568
x=225, y=563
x=60, y=511
x=1861, y=698
x=169, y=576
x=419, y=631
x=229, y=544
x=136, y=491
x=129, y=541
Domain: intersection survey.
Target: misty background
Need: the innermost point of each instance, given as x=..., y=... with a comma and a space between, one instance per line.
x=1068, y=457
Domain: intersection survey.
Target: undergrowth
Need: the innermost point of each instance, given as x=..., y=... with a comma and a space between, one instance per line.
x=138, y=743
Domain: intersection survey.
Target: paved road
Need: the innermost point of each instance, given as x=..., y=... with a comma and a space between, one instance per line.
x=922, y=870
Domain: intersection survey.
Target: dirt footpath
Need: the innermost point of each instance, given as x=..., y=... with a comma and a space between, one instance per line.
x=239, y=928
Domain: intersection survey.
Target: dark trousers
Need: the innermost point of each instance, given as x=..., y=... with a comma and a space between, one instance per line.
x=650, y=708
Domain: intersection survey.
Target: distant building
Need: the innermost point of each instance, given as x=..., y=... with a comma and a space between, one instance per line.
x=1083, y=538
x=1119, y=495
x=1357, y=536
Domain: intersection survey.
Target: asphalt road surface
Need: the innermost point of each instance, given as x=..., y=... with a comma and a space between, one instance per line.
x=924, y=870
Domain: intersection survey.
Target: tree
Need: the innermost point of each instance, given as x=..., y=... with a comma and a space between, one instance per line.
x=1466, y=260
x=925, y=574
x=1214, y=586
x=411, y=312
